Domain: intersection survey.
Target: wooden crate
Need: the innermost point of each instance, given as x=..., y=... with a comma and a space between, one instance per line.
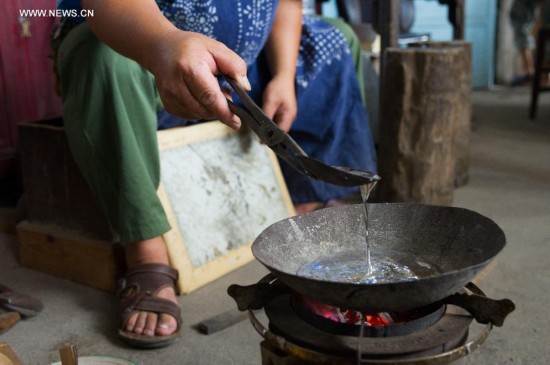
x=55, y=191
x=67, y=254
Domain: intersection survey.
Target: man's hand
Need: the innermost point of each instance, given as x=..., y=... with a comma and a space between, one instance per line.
x=185, y=68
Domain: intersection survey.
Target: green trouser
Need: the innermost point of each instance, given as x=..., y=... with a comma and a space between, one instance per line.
x=110, y=106
x=355, y=48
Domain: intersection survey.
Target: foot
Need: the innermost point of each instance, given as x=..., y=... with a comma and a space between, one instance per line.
x=158, y=282
x=152, y=324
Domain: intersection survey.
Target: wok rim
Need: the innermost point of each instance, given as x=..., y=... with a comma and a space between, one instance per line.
x=501, y=238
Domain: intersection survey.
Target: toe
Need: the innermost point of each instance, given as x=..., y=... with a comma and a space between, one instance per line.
x=131, y=323
x=150, y=324
x=140, y=323
x=166, y=325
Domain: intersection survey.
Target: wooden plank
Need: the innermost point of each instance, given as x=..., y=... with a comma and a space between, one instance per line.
x=66, y=254
x=388, y=23
x=220, y=189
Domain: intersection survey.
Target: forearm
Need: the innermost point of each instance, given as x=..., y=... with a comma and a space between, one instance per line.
x=279, y=99
x=284, y=41
x=185, y=64
x=130, y=27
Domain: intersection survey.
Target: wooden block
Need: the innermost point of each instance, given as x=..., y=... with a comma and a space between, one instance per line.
x=220, y=189
x=7, y=356
x=422, y=103
x=462, y=125
x=66, y=254
x=222, y=321
x=55, y=191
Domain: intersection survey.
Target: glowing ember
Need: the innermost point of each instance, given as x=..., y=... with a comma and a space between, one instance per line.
x=345, y=315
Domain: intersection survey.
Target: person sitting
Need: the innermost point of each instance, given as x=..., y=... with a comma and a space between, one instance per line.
x=135, y=67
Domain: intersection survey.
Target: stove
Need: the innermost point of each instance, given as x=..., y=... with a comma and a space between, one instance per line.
x=332, y=319
x=303, y=331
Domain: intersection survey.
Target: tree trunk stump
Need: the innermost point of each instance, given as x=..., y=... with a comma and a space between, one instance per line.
x=463, y=123
x=420, y=111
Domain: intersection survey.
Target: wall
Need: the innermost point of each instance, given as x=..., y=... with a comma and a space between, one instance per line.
x=26, y=83
x=481, y=15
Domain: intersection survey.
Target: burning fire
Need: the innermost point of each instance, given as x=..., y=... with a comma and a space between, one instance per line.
x=345, y=315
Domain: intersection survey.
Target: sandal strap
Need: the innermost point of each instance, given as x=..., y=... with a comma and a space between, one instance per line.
x=142, y=282
x=159, y=305
x=149, y=277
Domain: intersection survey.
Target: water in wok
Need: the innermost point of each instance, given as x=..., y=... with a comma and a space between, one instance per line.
x=454, y=243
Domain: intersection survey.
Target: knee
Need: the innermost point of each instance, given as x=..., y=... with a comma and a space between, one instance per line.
x=84, y=59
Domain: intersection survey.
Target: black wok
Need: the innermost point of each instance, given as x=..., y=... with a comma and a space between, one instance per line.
x=459, y=242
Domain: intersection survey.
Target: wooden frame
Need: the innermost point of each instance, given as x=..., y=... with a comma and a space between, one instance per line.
x=220, y=189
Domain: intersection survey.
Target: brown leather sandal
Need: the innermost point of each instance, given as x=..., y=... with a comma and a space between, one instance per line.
x=136, y=292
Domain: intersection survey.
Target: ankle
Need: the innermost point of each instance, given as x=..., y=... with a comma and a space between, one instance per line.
x=151, y=251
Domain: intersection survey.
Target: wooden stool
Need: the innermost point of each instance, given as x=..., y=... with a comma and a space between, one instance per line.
x=542, y=42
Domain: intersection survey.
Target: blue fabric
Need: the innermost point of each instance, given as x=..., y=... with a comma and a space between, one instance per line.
x=242, y=25
x=332, y=123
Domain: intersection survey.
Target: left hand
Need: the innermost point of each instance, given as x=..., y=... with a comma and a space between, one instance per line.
x=279, y=102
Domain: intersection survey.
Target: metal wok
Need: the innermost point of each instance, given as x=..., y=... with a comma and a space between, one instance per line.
x=459, y=242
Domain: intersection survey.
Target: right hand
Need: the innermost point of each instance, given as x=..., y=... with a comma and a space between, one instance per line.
x=185, y=66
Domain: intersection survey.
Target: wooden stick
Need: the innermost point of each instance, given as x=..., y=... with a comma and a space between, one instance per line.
x=221, y=321
x=68, y=355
